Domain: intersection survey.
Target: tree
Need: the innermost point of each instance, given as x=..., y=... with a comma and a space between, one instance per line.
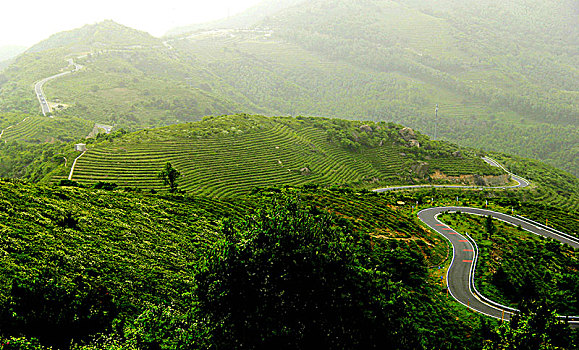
x=290, y=277
x=534, y=327
x=170, y=175
x=490, y=227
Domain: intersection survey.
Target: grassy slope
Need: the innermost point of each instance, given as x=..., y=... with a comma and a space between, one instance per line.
x=229, y=155
x=75, y=259
x=40, y=129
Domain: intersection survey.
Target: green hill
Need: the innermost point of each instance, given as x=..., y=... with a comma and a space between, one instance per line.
x=129, y=265
x=483, y=62
x=78, y=262
x=129, y=79
x=503, y=73
x=229, y=155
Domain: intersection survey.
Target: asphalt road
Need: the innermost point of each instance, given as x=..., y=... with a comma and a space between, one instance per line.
x=460, y=275
x=40, y=93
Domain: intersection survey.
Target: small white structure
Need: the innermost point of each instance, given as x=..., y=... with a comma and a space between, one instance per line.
x=80, y=147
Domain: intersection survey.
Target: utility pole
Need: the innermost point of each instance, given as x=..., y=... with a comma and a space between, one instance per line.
x=436, y=122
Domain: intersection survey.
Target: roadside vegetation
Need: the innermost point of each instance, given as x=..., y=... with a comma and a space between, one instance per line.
x=139, y=270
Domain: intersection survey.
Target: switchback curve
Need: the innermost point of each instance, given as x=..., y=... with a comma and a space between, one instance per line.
x=460, y=275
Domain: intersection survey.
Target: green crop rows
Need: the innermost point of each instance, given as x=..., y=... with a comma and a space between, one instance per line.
x=44, y=129
x=240, y=154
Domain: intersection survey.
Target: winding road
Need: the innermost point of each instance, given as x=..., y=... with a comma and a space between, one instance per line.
x=461, y=273
x=40, y=84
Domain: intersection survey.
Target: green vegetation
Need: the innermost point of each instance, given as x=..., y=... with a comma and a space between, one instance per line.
x=535, y=327
x=515, y=265
x=229, y=155
x=509, y=87
x=81, y=262
x=74, y=260
x=35, y=129
x=301, y=254
x=170, y=176
x=137, y=270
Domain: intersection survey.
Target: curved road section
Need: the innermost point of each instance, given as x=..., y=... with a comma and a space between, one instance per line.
x=460, y=275
x=39, y=85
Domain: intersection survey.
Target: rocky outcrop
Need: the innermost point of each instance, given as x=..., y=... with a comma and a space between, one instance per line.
x=305, y=171
x=409, y=136
x=473, y=180
x=414, y=143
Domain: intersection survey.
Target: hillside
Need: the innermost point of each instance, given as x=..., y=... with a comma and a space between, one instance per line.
x=129, y=79
x=483, y=62
x=503, y=73
x=230, y=155
x=80, y=262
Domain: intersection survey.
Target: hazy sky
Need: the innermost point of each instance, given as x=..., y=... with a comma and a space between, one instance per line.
x=26, y=22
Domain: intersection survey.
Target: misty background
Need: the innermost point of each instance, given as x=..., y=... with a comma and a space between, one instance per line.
x=24, y=23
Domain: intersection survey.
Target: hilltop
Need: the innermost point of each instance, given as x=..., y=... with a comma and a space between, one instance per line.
x=230, y=155
x=106, y=34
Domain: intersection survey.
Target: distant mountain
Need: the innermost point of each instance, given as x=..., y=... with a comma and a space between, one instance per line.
x=246, y=19
x=104, y=34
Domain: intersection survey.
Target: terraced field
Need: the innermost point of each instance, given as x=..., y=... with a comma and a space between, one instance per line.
x=228, y=156
x=44, y=129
